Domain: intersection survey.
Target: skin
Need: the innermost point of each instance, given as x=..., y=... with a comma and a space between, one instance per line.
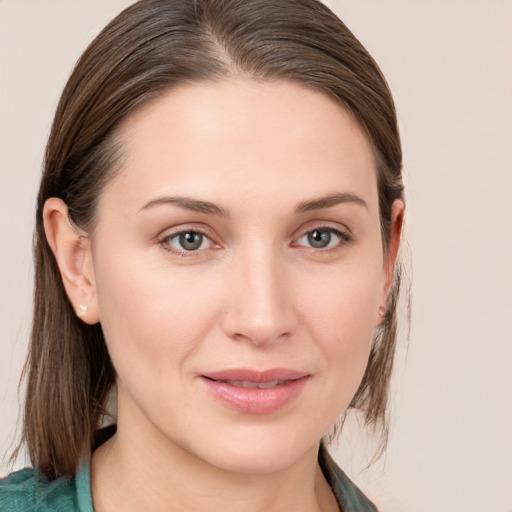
x=256, y=294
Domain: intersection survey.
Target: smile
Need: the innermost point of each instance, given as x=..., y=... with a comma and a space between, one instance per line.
x=253, y=392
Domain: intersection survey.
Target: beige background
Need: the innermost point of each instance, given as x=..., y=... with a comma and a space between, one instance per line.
x=449, y=64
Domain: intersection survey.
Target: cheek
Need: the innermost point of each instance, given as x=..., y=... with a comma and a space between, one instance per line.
x=340, y=315
x=344, y=299
x=151, y=317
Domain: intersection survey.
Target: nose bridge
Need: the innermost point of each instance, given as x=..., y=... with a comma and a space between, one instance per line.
x=261, y=309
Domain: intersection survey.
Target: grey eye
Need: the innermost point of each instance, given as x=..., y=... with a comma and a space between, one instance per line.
x=319, y=239
x=190, y=240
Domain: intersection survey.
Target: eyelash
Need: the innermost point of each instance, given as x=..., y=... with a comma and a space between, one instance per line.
x=164, y=241
x=344, y=238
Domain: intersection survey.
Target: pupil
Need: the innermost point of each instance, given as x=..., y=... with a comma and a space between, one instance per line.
x=319, y=239
x=191, y=241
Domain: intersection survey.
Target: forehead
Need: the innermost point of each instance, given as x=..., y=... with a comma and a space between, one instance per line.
x=243, y=139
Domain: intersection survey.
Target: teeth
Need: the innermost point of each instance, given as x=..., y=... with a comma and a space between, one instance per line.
x=251, y=384
x=270, y=384
x=243, y=383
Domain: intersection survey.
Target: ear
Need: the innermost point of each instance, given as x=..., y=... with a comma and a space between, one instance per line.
x=397, y=218
x=72, y=251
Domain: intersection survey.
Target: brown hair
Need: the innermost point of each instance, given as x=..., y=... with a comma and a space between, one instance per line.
x=148, y=49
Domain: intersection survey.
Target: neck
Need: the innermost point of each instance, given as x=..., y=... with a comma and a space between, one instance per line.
x=134, y=472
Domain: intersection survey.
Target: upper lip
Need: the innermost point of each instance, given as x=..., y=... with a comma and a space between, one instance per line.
x=247, y=374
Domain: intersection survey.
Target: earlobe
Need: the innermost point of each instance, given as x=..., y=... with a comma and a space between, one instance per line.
x=72, y=251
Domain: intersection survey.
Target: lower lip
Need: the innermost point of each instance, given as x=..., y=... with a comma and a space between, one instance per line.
x=256, y=400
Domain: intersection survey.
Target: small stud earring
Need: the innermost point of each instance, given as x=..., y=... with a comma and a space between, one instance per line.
x=83, y=310
x=382, y=312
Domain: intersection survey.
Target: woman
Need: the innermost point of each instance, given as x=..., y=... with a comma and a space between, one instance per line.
x=217, y=230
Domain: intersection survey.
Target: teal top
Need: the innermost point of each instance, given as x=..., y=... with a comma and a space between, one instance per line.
x=28, y=491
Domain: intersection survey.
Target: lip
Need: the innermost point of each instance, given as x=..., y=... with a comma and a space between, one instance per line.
x=238, y=388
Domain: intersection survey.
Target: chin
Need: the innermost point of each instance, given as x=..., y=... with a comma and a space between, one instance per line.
x=259, y=450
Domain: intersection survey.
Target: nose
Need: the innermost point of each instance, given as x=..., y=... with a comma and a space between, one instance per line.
x=260, y=306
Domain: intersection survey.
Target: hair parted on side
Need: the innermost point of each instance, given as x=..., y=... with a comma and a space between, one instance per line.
x=148, y=49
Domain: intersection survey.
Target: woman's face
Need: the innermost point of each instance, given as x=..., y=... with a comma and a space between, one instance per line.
x=239, y=270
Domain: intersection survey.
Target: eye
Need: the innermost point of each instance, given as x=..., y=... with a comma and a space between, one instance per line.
x=187, y=241
x=323, y=238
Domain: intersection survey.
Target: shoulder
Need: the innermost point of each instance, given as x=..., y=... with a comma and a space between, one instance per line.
x=349, y=496
x=28, y=491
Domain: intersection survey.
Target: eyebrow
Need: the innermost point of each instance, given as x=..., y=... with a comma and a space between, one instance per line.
x=330, y=201
x=196, y=205
x=188, y=203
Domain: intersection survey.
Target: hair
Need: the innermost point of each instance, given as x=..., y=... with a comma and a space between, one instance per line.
x=147, y=50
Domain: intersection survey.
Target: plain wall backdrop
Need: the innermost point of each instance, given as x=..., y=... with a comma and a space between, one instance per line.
x=449, y=65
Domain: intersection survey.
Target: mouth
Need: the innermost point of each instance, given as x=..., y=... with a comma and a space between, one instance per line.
x=255, y=392
x=251, y=384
